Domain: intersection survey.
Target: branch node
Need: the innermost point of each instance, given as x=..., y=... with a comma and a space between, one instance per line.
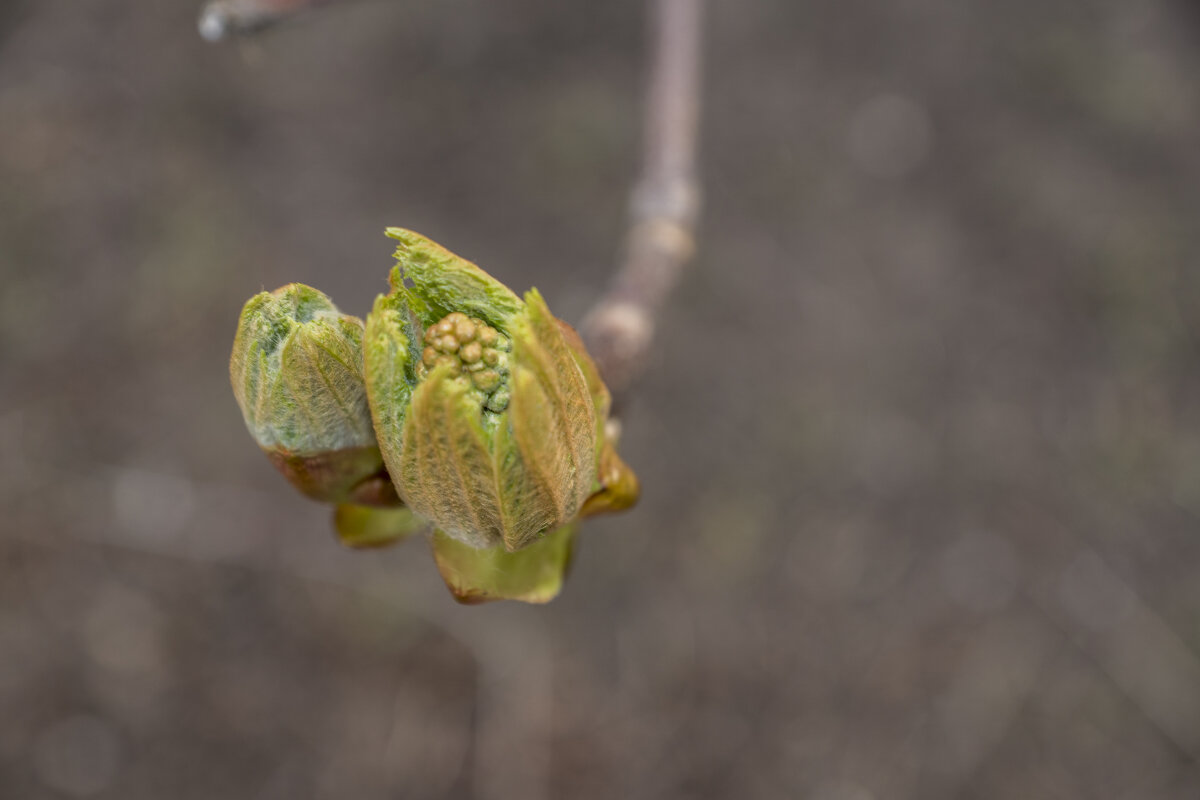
x=664, y=205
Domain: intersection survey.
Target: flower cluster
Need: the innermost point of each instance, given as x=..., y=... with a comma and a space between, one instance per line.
x=475, y=348
x=458, y=408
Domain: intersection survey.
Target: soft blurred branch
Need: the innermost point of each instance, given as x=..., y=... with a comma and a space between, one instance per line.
x=223, y=19
x=665, y=202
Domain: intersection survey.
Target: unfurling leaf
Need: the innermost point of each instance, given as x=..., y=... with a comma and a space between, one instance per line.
x=363, y=527
x=534, y=574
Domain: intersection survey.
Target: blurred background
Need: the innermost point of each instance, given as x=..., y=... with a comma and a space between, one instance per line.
x=920, y=443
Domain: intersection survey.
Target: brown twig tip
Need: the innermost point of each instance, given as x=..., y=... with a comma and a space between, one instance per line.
x=665, y=202
x=224, y=19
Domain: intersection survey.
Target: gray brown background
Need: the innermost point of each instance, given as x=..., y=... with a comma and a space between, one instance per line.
x=920, y=442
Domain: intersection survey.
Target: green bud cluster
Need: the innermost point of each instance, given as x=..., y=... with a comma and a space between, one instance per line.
x=458, y=408
x=477, y=350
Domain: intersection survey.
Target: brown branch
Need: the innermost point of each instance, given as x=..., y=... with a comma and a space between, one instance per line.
x=665, y=202
x=224, y=19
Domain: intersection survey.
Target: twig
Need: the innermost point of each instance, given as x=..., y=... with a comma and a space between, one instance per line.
x=224, y=19
x=665, y=202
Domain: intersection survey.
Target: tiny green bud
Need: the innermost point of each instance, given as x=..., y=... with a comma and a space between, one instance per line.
x=486, y=381
x=498, y=401
x=487, y=335
x=464, y=329
x=471, y=353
